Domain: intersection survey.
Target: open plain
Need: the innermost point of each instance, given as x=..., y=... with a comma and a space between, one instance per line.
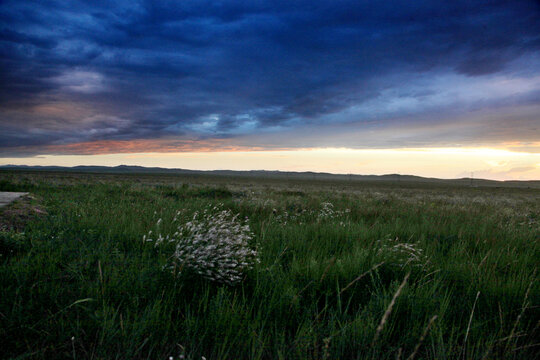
x=344, y=269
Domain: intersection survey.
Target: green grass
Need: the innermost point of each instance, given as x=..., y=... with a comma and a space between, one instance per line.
x=81, y=271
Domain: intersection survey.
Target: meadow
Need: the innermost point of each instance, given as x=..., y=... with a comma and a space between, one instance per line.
x=344, y=270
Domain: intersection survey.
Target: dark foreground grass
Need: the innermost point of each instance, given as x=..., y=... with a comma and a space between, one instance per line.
x=79, y=282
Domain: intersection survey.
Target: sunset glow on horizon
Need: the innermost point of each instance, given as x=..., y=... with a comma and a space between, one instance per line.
x=446, y=163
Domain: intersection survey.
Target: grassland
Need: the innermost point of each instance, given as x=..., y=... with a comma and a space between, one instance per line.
x=77, y=281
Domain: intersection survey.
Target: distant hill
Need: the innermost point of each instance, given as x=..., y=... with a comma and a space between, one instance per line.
x=394, y=178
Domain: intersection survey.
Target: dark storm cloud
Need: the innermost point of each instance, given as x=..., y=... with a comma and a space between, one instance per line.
x=89, y=71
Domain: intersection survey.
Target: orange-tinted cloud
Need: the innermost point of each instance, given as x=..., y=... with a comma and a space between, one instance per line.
x=147, y=146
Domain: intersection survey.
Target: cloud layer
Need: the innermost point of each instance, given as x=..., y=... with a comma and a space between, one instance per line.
x=205, y=74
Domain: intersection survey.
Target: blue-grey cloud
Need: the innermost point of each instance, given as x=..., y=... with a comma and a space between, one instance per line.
x=90, y=71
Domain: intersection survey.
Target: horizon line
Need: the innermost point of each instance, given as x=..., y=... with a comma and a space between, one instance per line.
x=14, y=166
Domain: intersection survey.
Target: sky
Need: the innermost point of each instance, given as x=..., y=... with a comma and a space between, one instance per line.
x=431, y=88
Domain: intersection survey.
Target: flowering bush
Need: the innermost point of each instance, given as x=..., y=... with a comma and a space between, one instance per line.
x=213, y=244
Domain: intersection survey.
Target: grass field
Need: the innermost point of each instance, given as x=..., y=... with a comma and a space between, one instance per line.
x=347, y=270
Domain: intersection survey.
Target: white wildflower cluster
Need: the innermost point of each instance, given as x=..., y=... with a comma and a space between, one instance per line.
x=401, y=253
x=293, y=216
x=213, y=244
x=326, y=212
x=257, y=201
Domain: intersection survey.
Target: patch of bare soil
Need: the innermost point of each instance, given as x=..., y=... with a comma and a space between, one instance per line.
x=16, y=215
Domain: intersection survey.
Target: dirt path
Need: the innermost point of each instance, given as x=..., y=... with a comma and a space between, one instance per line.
x=8, y=197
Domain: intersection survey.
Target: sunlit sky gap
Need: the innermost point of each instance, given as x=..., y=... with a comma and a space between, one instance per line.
x=423, y=87
x=444, y=163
